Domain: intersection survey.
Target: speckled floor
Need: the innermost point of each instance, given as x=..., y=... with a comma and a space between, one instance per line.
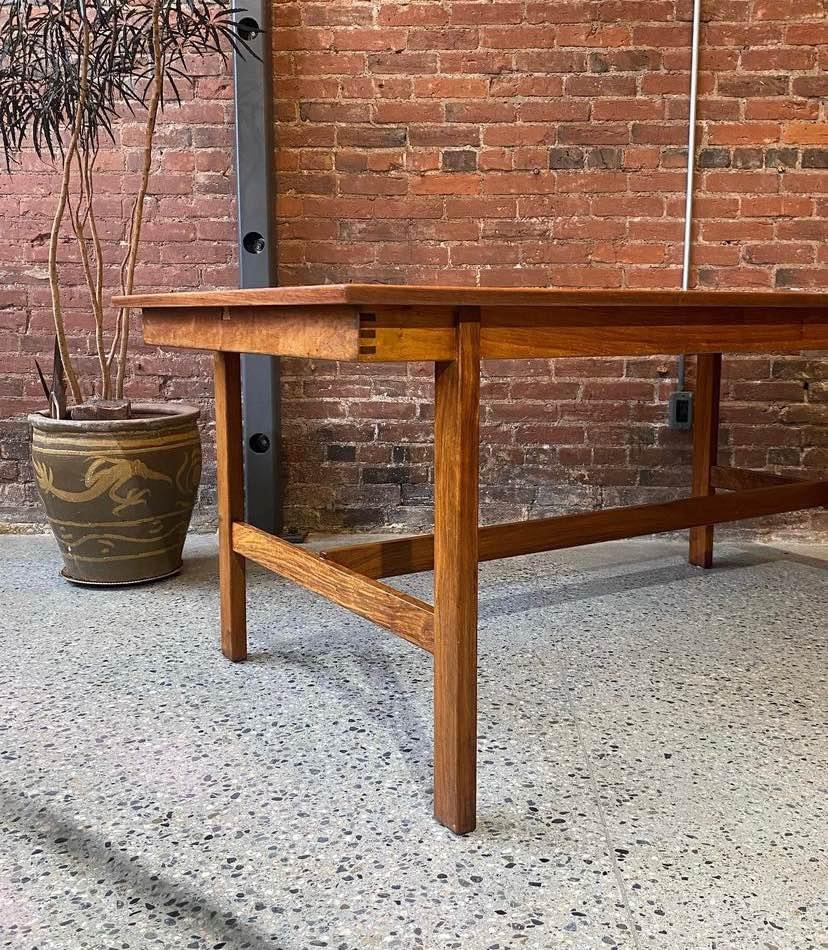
x=652, y=762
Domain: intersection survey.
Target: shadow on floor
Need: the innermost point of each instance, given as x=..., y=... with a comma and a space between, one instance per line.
x=97, y=859
x=378, y=685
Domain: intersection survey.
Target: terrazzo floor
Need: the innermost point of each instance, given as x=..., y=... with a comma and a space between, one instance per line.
x=652, y=762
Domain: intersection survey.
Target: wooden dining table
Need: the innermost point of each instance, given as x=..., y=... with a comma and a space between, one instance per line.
x=457, y=327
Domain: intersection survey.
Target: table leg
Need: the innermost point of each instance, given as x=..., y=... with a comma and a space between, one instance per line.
x=230, y=478
x=456, y=464
x=705, y=447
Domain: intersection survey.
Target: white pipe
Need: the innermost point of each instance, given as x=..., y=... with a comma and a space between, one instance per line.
x=691, y=145
x=691, y=168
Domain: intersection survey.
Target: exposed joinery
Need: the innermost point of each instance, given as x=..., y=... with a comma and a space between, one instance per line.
x=410, y=555
x=392, y=334
x=406, y=616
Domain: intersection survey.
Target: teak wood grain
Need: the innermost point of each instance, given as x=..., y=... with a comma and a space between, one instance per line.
x=456, y=453
x=230, y=478
x=645, y=331
x=406, y=616
x=386, y=323
x=312, y=332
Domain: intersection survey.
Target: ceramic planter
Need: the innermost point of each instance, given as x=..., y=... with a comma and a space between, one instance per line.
x=119, y=494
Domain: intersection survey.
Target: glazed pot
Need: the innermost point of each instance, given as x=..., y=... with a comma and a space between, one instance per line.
x=119, y=494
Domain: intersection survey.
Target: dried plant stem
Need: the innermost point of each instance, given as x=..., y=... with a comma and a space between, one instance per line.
x=57, y=221
x=88, y=169
x=92, y=264
x=136, y=220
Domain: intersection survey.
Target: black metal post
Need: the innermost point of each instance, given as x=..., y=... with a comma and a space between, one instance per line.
x=257, y=262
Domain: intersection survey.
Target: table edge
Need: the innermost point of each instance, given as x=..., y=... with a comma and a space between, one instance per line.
x=403, y=295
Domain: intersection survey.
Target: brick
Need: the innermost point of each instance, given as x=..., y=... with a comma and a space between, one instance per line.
x=815, y=158
x=744, y=133
x=459, y=161
x=549, y=61
x=810, y=86
x=464, y=184
x=371, y=137
x=489, y=111
x=781, y=158
x=807, y=34
x=555, y=110
x=806, y=133
x=386, y=475
x=714, y=158
x=624, y=60
x=787, y=10
x=595, y=86
x=744, y=87
x=408, y=64
x=773, y=59
x=628, y=109
x=806, y=183
x=658, y=133
x=741, y=182
x=748, y=158
x=604, y=158
x=479, y=13
x=801, y=278
x=780, y=253
x=442, y=39
x=414, y=14
x=534, y=86
x=450, y=87
x=566, y=158
x=605, y=133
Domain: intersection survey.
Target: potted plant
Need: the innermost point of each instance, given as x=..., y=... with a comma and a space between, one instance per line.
x=118, y=480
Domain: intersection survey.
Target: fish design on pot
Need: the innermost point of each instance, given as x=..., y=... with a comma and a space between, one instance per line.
x=103, y=474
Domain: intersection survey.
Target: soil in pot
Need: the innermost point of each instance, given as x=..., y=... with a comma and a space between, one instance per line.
x=119, y=494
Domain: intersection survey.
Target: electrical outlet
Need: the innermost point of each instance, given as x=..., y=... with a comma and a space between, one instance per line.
x=680, y=410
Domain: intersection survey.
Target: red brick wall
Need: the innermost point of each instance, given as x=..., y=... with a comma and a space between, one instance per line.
x=528, y=143
x=541, y=143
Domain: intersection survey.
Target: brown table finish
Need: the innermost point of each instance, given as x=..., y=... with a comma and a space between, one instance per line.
x=457, y=327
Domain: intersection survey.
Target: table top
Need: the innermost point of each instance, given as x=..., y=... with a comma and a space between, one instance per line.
x=366, y=295
x=381, y=322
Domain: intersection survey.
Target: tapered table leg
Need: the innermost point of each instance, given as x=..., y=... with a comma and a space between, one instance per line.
x=705, y=447
x=230, y=478
x=456, y=451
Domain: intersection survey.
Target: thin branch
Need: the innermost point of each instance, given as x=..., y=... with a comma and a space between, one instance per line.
x=134, y=240
x=88, y=170
x=94, y=281
x=60, y=210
